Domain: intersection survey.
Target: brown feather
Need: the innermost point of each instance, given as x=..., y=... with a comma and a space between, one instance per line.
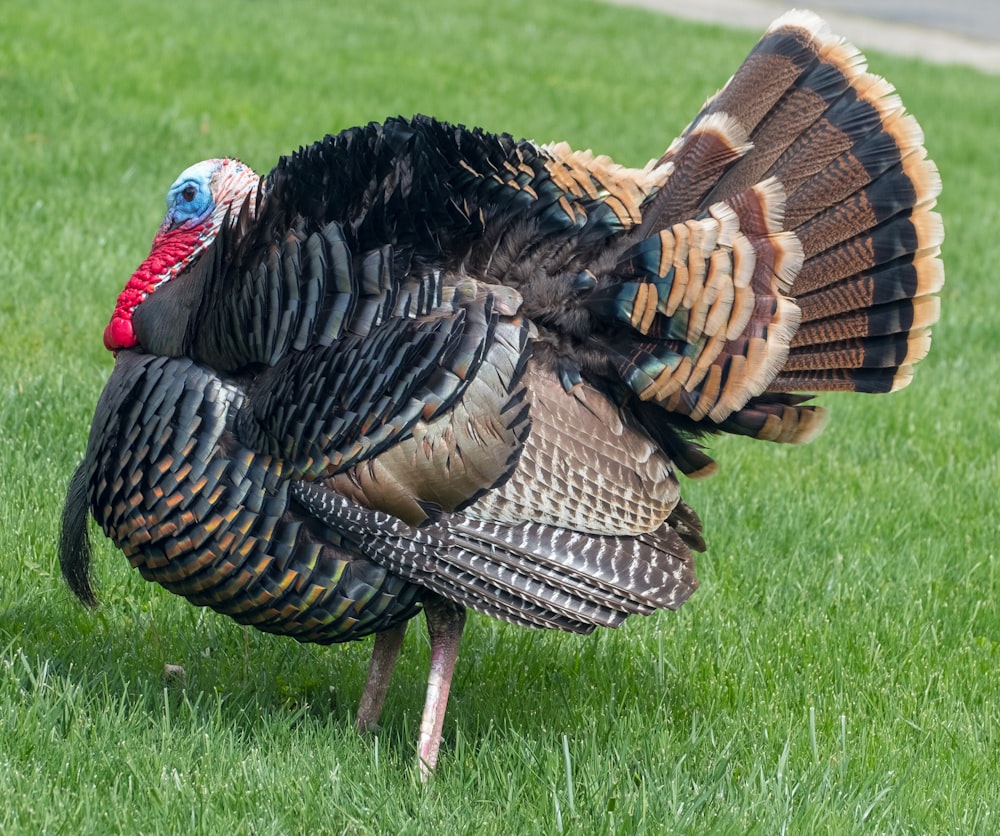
x=600, y=473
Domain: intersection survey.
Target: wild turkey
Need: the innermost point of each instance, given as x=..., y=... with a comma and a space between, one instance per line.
x=419, y=366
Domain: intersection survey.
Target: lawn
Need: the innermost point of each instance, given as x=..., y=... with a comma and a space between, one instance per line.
x=838, y=670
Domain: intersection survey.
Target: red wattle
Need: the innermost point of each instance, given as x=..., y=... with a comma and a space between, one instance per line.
x=171, y=248
x=119, y=333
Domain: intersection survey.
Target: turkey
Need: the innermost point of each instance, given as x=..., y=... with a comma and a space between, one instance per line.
x=421, y=367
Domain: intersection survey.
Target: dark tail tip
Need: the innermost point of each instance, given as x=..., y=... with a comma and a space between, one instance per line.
x=74, y=544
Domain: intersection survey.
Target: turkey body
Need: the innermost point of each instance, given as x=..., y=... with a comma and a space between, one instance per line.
x=423, y=367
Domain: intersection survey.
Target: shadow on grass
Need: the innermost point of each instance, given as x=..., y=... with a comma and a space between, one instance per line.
x=510, y=683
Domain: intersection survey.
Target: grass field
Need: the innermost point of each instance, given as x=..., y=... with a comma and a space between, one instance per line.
x=839, y=669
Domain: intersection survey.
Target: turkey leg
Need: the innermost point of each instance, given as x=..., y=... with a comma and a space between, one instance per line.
x=445, y=622
x=384, y=655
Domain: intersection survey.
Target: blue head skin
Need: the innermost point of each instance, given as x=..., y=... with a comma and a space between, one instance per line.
x=197, y=203
x=190, y=198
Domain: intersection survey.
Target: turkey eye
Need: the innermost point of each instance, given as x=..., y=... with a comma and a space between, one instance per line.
x=189, y=193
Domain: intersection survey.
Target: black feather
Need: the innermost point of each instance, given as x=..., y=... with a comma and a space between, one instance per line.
x=74, y=542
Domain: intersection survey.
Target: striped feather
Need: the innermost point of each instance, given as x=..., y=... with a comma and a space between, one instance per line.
x=527, y=573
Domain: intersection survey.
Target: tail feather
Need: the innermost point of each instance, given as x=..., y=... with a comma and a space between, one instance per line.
x=903, y=240
x=905, y=317
x=787, y=419
x=702, y=156
x=799, y=89
x=867, y=381
x=895, y=349
x=891, y=283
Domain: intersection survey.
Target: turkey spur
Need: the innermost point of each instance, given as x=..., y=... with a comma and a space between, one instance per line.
x=424, y=367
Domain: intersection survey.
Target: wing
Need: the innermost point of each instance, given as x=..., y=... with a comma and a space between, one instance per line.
x=530, y=574
x=584, y=528
x=417, y=416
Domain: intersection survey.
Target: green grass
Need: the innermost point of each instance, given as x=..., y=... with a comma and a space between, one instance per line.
x=839, y=669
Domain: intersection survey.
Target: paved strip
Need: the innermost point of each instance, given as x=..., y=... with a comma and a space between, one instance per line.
x=898, y=38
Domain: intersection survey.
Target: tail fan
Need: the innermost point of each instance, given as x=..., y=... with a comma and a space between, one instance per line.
x=792, y=248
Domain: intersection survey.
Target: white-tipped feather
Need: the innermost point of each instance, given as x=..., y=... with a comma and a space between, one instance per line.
x=727, y=129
